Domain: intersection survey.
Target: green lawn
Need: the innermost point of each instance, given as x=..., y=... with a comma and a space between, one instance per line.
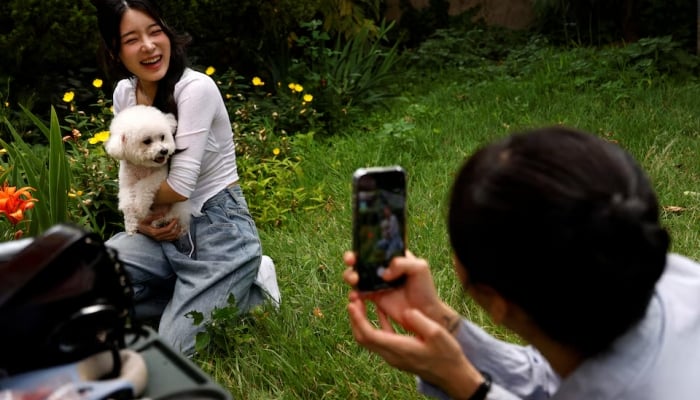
x=306, y=350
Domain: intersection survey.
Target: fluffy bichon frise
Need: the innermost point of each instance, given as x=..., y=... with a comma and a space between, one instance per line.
x=141, y=137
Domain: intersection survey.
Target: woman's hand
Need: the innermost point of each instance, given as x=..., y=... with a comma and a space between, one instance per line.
x=432, y=353
x=417, y=292
x=165, y=233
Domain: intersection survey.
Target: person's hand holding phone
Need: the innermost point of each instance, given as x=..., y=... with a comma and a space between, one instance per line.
x=431, y=352
x=418, y=290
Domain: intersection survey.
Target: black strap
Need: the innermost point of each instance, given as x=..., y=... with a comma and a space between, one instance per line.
x=483, y=389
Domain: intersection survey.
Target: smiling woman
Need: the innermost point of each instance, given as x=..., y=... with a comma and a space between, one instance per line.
x=221, y=255
x=145, y=51
x=142, y=46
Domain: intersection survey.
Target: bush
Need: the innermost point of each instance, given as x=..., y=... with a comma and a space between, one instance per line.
x=42, y=43
x=266, y=128
x=346, y=75
x=49, y=49
x=602, y=22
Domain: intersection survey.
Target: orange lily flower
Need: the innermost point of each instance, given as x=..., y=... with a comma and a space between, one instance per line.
x=13, y=202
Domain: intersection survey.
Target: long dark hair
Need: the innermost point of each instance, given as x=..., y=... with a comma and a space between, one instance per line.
x=109, y=16
x=565, y=225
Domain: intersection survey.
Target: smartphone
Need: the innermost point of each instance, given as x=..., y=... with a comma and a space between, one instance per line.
x=379, y=224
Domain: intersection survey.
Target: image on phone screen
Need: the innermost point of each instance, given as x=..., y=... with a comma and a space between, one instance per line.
x=380, y=223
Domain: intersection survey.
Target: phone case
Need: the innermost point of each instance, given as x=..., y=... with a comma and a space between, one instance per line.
x=379, y=223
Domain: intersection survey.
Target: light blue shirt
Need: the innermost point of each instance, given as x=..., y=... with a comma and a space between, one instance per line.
x=657, y=359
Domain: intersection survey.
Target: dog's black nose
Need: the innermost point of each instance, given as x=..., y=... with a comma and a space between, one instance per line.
x=164, y=151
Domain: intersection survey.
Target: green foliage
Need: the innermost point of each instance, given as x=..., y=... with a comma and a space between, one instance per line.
x=226, y=330
x=348, y=17
x=596, y=22
x=41, y=42
x=49, y=176
x=50, y=48
x=644, y=62
x=480, y=52
x=352, y=75
x=282, y=109
x=465, y=48
x=678, y=18
x=253, y=37
x=74, y=179
x=268, y=165
x=270, y=191
x=418, y=24
x=93, y=190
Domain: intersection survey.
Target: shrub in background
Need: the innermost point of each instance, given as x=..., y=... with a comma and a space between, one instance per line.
x=40, y=43
x=267, y=129
x=346, y=75
x=416, y=25
x=596, y=22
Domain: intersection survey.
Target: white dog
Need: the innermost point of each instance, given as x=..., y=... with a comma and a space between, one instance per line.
x=141, y=137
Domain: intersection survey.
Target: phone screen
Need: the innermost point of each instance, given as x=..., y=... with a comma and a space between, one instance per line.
x=379, y=223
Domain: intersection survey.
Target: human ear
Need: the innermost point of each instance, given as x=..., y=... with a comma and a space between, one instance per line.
x=488, y=298
x=491, y=301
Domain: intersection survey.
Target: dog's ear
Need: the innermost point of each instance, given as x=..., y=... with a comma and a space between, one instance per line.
x=115, y=145
x=172, y=121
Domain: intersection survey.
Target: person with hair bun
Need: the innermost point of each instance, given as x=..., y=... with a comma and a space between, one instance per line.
x=221, y=254
x=556, y=235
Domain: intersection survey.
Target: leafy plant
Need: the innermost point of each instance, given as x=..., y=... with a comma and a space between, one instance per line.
x=226, y=330
x=94, y=187
x=270, y=183
x=263, y=124
x=50, y=176
x=348, y=17
x=354, y=73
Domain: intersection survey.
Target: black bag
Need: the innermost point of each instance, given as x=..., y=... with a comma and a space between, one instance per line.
x=63, y=296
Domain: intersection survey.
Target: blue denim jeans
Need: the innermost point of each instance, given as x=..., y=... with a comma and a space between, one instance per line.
x=220, y=256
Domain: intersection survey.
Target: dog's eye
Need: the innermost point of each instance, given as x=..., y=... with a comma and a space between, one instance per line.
x=147, y=141
x=162, y=137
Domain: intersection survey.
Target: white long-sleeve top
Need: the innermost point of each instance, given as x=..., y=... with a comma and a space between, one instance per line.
x=208, y=162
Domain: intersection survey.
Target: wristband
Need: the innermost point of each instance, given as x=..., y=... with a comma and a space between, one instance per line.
x=483, y=389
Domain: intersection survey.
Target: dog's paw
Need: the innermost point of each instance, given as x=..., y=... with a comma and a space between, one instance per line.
x=159, y=223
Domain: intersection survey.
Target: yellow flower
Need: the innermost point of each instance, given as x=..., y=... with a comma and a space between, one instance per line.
x=75, y=193
x=298, y=88
x=308, y=98
x=257, y=81
x=68, y=96
x=210, y=71
x=229, y=96
x=111, y=109
x=99, y=137
x=291, y=86
x=276, y=151
x=97, y=83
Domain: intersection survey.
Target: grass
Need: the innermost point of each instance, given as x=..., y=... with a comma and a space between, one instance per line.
x=306, y=350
